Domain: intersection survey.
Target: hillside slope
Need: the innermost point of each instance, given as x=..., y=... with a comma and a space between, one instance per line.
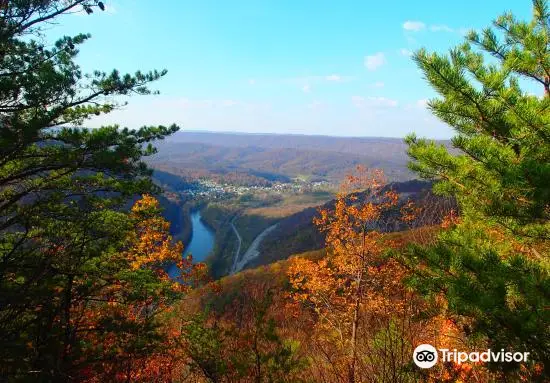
x=297, y=233
x=253, y=313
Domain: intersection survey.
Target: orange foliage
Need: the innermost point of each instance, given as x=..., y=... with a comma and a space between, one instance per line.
x=354, y=284
x=129, y=305
x=450, y=220
x=410, y=212
x=368, y=322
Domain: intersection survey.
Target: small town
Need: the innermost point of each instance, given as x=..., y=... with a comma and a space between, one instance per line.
x=213, y=190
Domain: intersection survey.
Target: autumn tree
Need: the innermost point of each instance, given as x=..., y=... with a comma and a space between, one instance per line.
x=492, y=262
x=62, y=187
x=354, y=283
x=123, y=316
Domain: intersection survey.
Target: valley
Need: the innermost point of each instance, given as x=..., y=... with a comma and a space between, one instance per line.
x=261, y=212
x=240, y=218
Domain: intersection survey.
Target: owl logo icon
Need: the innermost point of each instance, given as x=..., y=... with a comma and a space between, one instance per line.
x=425, y=356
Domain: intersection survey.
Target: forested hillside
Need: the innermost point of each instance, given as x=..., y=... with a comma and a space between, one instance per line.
x=386, y=148
x=297, y=233
x=279, y=157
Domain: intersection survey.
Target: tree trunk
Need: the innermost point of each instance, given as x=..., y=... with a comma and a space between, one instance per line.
x=351, y=377
x=351, y=373
x=67, y=339
x=67, y=316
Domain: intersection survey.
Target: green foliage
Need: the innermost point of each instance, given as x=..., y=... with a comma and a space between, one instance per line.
x=228, y=352
x=390, y=351
x=62, y=188
x=204, y=345
x=503, y=131
x=493, y=267
x=272, y=358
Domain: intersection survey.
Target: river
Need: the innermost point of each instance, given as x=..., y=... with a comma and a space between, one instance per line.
x=202, y=242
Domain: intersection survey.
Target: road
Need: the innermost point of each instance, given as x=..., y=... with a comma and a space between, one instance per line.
x=240, y=241
x=252, y=251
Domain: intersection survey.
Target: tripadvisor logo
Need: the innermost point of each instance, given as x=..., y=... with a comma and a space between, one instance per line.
x=426, y=356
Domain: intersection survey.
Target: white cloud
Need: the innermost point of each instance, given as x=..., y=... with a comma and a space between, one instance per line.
x=405, y=52
x=415, y=26
x=378, y=84
x=306, y=89
x=252, y=81
x=334, y=77
x=441, y=28
x=375, y=61
x=373, y=102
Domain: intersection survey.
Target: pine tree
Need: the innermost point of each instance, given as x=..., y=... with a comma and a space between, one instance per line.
x=248, y=349
x=492, y=265
x=62, y=187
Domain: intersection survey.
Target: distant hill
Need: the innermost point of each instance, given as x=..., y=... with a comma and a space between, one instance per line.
x=277, y=157
x=350, y=145
x=170, y=182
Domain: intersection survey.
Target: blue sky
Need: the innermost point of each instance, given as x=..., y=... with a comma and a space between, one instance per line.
x=286, y=66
